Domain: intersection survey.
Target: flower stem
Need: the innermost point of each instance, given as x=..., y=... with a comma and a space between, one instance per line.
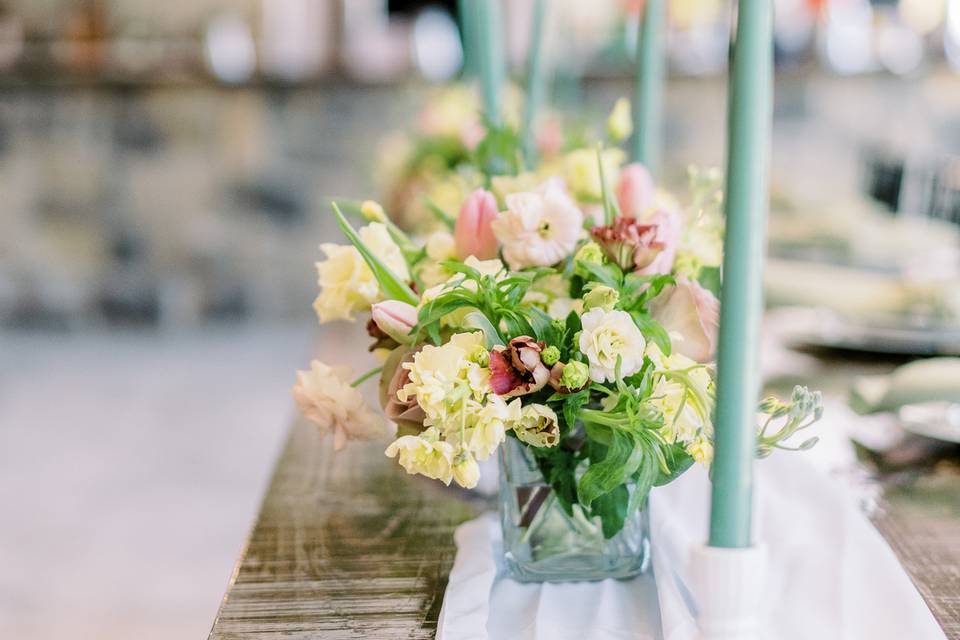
x=366, y=376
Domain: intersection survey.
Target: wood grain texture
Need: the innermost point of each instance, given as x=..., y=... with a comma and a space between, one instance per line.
x=921, y=521
x=345, y=546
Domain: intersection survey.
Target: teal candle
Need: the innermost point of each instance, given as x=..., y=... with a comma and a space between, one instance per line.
x=535, y=85
x=468, y=36
x=651, y=71
x=490, y=45
x=741, y=304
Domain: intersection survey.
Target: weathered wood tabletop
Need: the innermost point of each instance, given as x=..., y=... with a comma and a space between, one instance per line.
x=347, y=546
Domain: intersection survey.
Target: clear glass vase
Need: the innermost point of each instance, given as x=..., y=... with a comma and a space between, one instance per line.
x=543, y=543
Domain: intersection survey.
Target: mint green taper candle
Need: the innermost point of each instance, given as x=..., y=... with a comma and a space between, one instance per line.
x=651, y=73
x=535, y=84
x=490, y=46
x=741, y=303
x=468, y=36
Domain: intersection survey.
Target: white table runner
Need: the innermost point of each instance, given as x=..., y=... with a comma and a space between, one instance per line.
x=831, y=574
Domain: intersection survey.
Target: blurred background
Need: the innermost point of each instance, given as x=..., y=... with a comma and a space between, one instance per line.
x=164, y=174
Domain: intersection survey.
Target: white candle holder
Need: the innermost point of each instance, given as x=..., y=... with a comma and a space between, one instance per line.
x=728, y=586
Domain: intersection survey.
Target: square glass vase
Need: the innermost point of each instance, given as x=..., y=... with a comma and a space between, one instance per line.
x=543, y=543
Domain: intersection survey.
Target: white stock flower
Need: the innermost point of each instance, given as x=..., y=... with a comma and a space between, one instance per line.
x=490, y=425
x=683, y=393
x=538, y=228
x=466, y=471
x=443, y=378
x=326, y=398
x=346, y=282
x=425, y=454
x=607, y=335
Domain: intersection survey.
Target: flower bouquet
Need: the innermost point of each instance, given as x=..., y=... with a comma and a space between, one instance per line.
x=566, y=320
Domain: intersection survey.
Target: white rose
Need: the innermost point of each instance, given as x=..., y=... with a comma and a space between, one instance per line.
x=606, y=336
x=327, y=399
x=539, y=228
x=346, y=282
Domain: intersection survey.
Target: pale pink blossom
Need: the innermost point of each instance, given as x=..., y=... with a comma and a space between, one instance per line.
x=635, y=193
x=473, y=233
x=669, y=231
x=539, y=228
x=690, y=314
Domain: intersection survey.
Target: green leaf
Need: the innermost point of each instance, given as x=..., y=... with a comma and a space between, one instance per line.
x=542, y=325
x=653, y=330
x=622, y=458
x=612, y=509
x=678, y=461
x=710, y=278
x=607, y=273
x=393, y=286
x=609, y=208
x=479, y=321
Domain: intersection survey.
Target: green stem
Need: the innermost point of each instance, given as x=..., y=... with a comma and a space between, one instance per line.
x=366, y=376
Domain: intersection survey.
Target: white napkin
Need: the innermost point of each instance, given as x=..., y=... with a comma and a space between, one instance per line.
x=831, y=575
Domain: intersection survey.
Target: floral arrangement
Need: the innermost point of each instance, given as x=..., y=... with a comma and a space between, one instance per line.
x=573, y=309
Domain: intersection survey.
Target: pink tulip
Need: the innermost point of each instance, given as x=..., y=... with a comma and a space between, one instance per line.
x=691, y=314
x=635, y=191
x=669, y=230
x=473, y=233
x=395, y=318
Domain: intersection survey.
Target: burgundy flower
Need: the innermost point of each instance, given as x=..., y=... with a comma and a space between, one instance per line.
x=630, y=244
x=517, y=369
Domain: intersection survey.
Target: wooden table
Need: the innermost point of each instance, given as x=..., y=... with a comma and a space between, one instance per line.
x=345, y=546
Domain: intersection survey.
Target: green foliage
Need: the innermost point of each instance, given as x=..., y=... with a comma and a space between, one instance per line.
x=390, y=283
x=709, y=278
x=499, y=153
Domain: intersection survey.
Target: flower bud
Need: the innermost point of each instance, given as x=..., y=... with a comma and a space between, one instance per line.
x=480, y=355
x=466, y=471
x=575, y=375
x=372, y=211
x=602, y=297
x=473, y=232
x=395, y=318
x=620, y=122
x=635, y=192
x=550, y=356
x=590, y=253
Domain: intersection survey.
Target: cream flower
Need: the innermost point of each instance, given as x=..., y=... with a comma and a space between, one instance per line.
x=606, y=336
x=683, y=393
x=490, y=427
x=425, y=454
x=701, y=450
x=441, y=246
x=441, y=378
x=346, y=282
x=583, y=175
x=466, y=472
x=538, y=228
x=327, y=399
